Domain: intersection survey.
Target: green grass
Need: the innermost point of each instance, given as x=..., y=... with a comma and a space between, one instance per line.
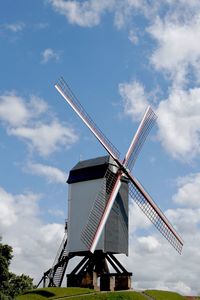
x=164, y=295
x=66, y=293
x=56, y=293
x=52, y=293
x=110, y=296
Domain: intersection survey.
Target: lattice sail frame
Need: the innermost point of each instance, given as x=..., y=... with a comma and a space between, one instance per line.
x=139, y=138
x=155, y=215
x=98, y=208
x=92, y=232
x=68, y=95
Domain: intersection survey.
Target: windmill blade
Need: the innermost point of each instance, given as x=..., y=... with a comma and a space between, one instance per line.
x=139, y=138
x=155, y=215
x=111, y=184
x=68, y=95
x=101, y=209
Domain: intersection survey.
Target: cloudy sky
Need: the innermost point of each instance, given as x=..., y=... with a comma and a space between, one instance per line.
x=118, y=56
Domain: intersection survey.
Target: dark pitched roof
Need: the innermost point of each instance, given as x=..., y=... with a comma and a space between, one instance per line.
x=90, y=169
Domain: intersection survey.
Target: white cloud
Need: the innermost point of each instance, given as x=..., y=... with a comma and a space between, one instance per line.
x=166, y=268
x=20, y=117
x=52, y=174
x=126, y=10
x=36, y=106
x=56, y=212
x=50, y=54
x=17, y=111
x=137, y=219
x=46, y=138
x=177, y=49
x=14, y=27
x=8, y=216
x=177, y=54
x=188, y=191
x=148, y=244
x=186, y=220
x=89, y=13
x=134, y=99
x=182, y=287
x=35, y=244
x=11, y=206
x=178, y=118
x=133, y=37
x=13, y=109
x=85, y=13
x=179, y=123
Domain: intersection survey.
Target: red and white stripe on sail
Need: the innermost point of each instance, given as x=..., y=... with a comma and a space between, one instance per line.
x=100, y=210
x=106, y=213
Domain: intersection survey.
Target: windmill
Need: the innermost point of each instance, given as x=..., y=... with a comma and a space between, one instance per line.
x=92, y=231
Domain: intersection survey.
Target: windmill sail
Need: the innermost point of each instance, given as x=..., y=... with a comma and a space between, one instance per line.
x=153, y=212
x=68, y=95
x=139, y=138
x=98, y=217
x=103, y=203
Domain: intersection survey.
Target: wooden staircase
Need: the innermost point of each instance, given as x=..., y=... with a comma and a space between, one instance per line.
x=54, y=276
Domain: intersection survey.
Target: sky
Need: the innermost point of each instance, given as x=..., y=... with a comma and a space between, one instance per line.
x=118, y=56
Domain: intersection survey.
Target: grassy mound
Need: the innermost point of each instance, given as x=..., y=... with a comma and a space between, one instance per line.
x=52, y=293
x=164, y=295
x=77, y=294
x=111, y=296
x=87, y=294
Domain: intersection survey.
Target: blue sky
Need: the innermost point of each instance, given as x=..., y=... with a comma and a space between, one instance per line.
x=118, y=57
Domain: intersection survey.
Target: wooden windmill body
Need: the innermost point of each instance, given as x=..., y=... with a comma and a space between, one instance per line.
x=85, y=179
